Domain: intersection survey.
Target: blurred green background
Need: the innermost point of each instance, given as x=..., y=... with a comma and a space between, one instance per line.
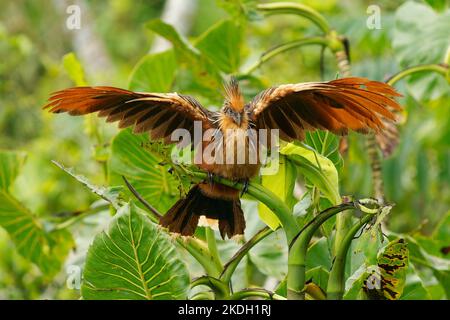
x=112, y=40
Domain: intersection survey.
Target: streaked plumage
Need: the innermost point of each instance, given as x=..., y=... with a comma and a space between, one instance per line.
x=351, y=103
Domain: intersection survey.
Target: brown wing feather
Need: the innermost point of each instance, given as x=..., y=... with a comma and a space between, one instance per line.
x=353, y=103
x=157, y=113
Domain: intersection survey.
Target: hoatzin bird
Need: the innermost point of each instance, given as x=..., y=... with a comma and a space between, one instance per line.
x=353, y=103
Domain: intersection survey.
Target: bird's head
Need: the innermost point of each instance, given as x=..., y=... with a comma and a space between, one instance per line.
x=233, y=111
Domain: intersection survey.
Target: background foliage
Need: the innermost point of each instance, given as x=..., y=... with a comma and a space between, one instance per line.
x=48, y=220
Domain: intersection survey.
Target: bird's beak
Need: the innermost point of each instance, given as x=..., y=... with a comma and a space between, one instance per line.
x=237, y=117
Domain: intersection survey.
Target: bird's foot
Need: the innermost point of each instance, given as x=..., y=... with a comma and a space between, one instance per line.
x=211, y=179
x=246, y=183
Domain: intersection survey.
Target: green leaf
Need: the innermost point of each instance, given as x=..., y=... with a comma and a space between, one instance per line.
x=414, y=287
x=142, y=168
x=393, y=264
x=206, y=75
x=181, y=45
x=270, y=256
x=319, y=255
x=154, y=73
x=326, y=144
x=318, y=275
x=317, y=169
x=440, y=267
x=46, y=249
x=281, y=184
x=133, y=259
x=74, y=69
x=421, y=41
x=438, y=5
x=221, y=44
x=10, y=164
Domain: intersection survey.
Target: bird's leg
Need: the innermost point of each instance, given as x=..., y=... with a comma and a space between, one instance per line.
x=210, y=179
x=246, y=183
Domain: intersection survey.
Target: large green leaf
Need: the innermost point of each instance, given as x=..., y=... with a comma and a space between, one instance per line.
x=133, y=259
x=181, y=45
x=421, y=36
x=221, y=44
x=440, y=267
x=281, y=184
x=141, y=166
x=207, y=75
x=10, y=164
x=317, y=169
x=46, y=249
x=154, y=73
x=326, y=144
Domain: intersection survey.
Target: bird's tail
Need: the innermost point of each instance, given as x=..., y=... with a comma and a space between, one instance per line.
x=184, y=215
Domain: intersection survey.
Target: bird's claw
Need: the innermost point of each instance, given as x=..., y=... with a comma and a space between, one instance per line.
x=245, y=188
x=211, y=178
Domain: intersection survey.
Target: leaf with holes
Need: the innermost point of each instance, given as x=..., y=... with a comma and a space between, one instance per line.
x=134, y=259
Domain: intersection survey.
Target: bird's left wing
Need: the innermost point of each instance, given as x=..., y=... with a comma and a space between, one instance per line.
x=350, y=103
x=158, y=113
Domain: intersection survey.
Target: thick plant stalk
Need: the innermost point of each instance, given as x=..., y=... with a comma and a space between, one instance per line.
x=336, y=281
x=232, y=264
x=299, y=247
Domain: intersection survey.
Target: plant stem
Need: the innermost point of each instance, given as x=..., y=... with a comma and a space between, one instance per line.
x=256, y=292
x=221, y=290
x=336, y=280
x=212, y=247
x=199, y=250
x=438, y=68
x=285, y=47
x=298, y=249
x=298, y=9
x=234, y=261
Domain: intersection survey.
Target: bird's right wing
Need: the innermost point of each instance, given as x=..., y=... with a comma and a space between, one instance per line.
x=350, y=103
x=158, y=113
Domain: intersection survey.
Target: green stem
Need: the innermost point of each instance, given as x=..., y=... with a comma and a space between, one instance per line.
x=232, y=264
x=298, y=249
x=256, y=292
x=286, y=47
x=220, y=289
x=336, y=280
x=298, y=9
x=438, y=68
x=199, y=251
x=84, y=214
x=212, y=247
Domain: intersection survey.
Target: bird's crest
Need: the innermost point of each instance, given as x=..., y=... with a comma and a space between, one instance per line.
x=233, y=95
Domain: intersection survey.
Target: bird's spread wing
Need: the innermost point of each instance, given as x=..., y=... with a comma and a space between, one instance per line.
x=158, y=113
x=349, y=103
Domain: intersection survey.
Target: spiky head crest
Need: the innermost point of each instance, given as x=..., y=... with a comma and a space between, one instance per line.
x=233, y=95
